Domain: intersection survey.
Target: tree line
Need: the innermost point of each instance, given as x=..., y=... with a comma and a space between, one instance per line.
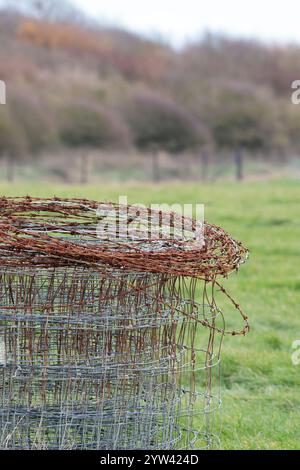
x=74, y=84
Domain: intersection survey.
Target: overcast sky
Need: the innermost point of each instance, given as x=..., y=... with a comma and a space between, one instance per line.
x=179, y=20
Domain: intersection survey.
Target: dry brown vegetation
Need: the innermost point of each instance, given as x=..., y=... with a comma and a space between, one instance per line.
x=235, y=93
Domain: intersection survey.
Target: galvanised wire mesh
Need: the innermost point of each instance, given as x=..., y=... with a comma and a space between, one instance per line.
x=102, y=342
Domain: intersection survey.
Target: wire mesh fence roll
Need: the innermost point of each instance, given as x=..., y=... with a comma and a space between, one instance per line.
x=109, y=338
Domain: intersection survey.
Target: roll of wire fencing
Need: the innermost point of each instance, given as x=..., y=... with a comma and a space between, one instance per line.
x=109, y=338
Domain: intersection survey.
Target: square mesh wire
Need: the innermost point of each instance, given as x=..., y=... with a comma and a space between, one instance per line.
x=94, y=361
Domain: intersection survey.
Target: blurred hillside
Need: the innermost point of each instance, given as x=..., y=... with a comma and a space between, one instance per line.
x=88, y=100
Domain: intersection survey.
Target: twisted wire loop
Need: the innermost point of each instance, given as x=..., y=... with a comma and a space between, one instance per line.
x=110, y=338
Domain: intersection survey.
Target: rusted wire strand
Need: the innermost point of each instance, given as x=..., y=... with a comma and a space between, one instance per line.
x=99, y=314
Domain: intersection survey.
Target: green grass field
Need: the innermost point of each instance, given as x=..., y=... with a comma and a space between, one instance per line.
x=260, y=386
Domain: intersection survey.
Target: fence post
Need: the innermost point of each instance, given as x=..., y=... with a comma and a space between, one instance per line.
x=239, y=163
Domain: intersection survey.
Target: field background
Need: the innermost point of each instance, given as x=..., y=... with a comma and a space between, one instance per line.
x=260, y=385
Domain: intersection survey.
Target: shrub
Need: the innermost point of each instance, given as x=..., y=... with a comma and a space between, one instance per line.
x=13, y=143
x=87, y=127
x=160, y=124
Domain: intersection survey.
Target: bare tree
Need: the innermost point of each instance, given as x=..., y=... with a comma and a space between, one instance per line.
x=51, y=10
